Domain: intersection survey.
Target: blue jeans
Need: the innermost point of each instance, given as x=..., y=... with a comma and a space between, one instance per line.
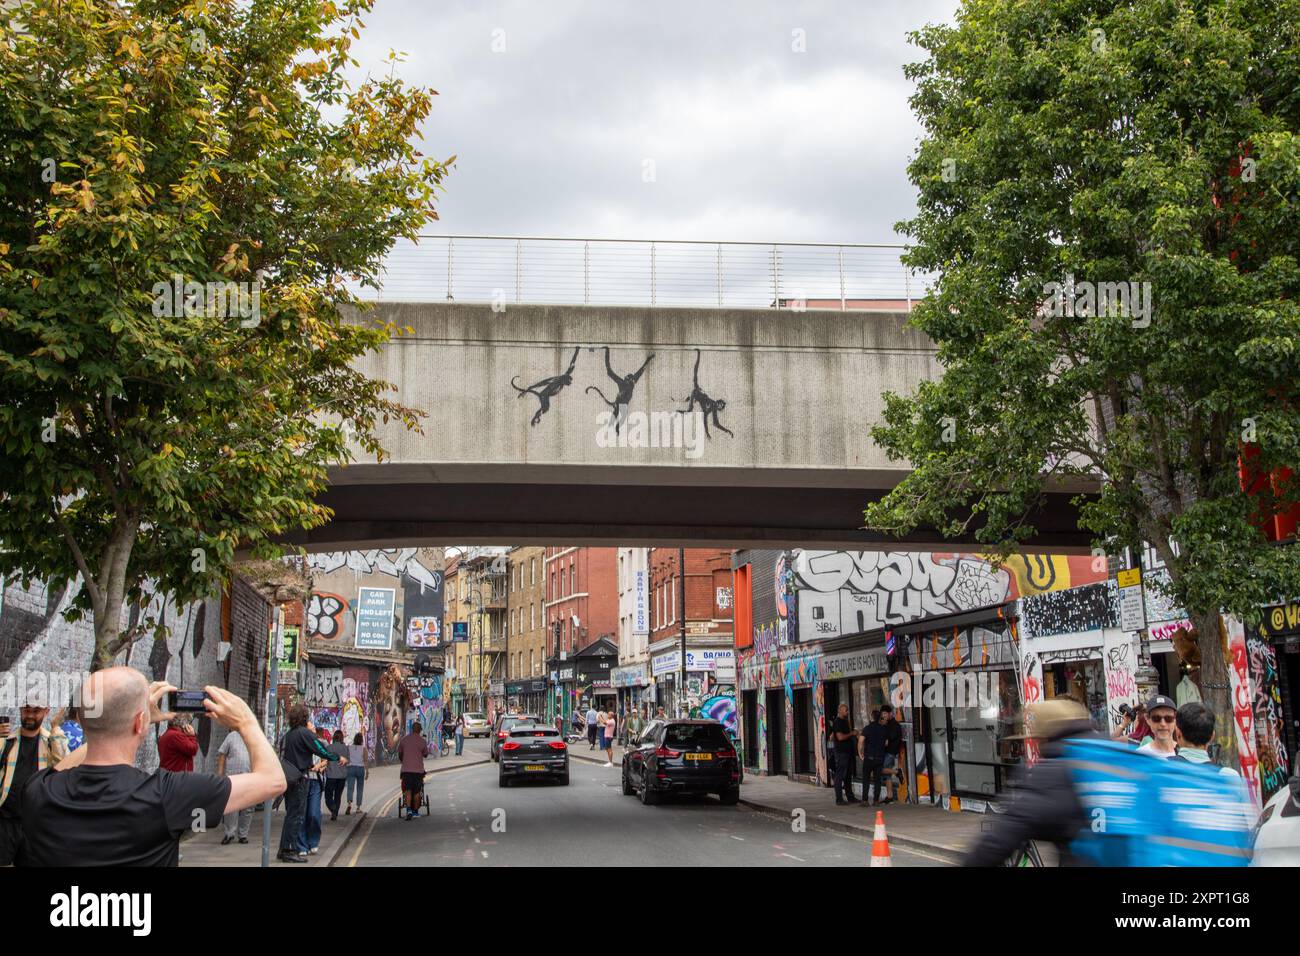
x=311, y=825
x=356, y=776
x=460, y=743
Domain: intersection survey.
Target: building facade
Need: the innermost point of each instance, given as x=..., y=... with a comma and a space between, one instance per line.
x=581, y=608
x=695, y=608
x=631, y=675
x=526, y=630
x=865, y=628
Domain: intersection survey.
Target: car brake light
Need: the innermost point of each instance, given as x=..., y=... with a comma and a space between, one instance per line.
x=510, y=745
x=665, y=752
x=726, y=755
x=501, y=733
x=559, y=745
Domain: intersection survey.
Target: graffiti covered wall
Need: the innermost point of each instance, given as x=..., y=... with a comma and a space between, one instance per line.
x=1269, y=731
x=413, y=573
x=36, y=639
x=852, y=592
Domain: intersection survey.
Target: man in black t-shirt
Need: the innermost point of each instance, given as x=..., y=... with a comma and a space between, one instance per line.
x=844, y=740
x=97, y=809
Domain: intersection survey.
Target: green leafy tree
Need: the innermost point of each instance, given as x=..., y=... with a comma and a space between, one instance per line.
x=189, y=196
x=1151, y=141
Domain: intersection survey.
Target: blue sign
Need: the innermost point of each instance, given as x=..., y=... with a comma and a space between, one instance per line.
x=375, y=618
x=460, y=631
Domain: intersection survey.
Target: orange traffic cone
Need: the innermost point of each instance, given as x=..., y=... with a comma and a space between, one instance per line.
x=880, y=843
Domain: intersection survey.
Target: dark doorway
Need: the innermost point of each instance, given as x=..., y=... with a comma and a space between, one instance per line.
x=805, y=732
x=776, y=763
x=749, y=707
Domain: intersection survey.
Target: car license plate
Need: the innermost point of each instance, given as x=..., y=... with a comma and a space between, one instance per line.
x=533, y=766
x=699, y=756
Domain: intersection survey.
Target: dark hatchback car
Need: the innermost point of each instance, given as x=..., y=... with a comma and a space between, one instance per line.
x=533, y=750
x=681, y=756
x=502, y=729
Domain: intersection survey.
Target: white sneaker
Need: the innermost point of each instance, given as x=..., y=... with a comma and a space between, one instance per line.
x=314, y=850
x=608, y=764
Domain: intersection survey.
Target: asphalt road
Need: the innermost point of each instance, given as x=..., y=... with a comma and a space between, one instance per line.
x=473, y=822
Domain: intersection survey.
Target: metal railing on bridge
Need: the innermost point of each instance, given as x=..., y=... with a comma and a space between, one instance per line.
x=671, y=273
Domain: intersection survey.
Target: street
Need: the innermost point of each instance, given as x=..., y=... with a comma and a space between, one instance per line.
x=590, y=823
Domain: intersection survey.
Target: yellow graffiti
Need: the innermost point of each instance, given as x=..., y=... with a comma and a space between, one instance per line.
x=1283, y=617
x=1039, y=573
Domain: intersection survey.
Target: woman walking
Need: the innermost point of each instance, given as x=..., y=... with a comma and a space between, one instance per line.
x=460, y=734
x=335, y=775
x=358, y=772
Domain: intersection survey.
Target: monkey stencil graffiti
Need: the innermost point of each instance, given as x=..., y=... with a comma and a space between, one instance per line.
x=548, y=388
x=626, y=386
x=710, y=407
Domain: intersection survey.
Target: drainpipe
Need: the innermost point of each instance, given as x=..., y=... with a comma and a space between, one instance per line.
x=681, y=588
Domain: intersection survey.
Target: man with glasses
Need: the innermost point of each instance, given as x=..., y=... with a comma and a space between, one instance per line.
x=1161, y=714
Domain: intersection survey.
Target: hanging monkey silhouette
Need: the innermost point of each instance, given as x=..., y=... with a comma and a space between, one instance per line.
x=626, y=385
x=709, y=406
x=548, y=388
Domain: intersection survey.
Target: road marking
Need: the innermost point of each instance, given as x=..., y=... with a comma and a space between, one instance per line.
x=370, y=825
x=484, y=852
x=741, y=839
x=793, y=857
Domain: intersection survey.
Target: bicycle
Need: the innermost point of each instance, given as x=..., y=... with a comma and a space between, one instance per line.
x=1025, y=855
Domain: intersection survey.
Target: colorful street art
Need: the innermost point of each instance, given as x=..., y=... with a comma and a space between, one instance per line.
x=1243, y=707
x=851, y=592
x=722, y=708
x=1273, y=761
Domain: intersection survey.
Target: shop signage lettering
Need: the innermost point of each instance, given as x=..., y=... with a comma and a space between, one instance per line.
x=1281, y=619
x=855, y=664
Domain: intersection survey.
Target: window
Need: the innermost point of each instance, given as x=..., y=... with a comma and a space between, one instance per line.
x=533, y=580
x=573, y=577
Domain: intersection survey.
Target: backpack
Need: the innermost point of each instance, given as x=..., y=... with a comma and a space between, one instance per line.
x=1151, y=811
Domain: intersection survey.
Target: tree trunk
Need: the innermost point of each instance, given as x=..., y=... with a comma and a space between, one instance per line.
x=1216, y=687
x=112, y=584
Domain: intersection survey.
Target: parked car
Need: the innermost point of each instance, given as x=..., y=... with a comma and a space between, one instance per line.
x=502, y=729
x=476, y=725
x=1277, y=835
x=681, y=756
x=533, y=750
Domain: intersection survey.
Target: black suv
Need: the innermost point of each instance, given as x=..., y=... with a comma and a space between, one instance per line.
x=502, y=729
x=533, y=750
x=681, y=756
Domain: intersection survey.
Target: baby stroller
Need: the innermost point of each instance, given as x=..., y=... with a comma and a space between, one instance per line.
x=424, y=799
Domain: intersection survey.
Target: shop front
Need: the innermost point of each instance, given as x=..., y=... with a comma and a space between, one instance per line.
x=527, y=696
x=630, y=684
x=958, y=689
x=560, y=695
x=859, y=678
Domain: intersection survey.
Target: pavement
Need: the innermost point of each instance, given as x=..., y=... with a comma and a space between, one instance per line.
x=590, y=823
x=924, y=827
x=205, y=849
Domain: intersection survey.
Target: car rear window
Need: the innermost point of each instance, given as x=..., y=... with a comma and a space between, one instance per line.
x=508, y=722
x=693, y=735
x=532, y=730
x=473, y=716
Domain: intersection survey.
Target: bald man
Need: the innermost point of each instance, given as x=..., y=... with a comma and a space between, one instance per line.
x=97, y=809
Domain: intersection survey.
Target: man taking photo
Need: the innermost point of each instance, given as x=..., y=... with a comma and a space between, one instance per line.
x=97, y=809
x=27, y=749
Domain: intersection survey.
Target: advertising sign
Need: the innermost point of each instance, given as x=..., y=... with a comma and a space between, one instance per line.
x=375, y=618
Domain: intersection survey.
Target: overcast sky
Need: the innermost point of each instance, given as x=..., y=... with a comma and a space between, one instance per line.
x=749, y=139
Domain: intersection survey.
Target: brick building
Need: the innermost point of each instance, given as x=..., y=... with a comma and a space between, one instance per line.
x=581, y=609
x=526, y=630
x=708, y=624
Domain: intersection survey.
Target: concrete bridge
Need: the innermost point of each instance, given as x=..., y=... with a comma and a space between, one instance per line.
x=639, y=426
